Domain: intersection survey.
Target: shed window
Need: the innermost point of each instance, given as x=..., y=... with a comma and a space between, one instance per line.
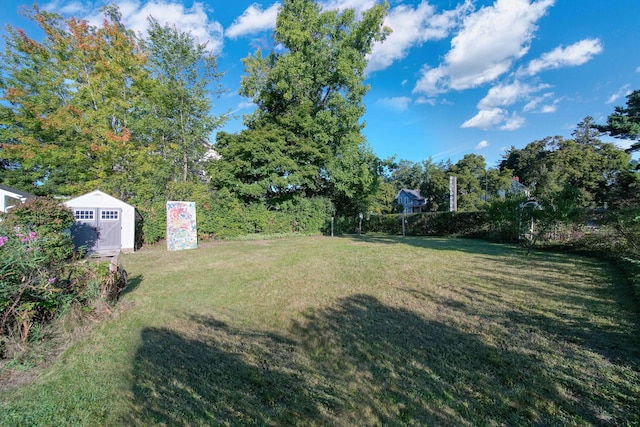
x=83, y=214
x=109, y=215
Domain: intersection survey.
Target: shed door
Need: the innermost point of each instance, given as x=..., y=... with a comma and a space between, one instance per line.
x=109, y=229
x=98, y=229
x=85, y=230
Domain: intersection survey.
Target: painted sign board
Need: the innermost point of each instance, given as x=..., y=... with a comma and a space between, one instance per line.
x=182, y=232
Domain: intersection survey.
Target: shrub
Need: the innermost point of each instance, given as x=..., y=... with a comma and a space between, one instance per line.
x=35, y=245
x=38, y=281
x=503, y=217
x=428, y=224
x=29, y=289
x=154, y=221
x=51, y=221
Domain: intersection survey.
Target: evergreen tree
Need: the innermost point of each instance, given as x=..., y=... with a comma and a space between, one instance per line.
x=624, y=123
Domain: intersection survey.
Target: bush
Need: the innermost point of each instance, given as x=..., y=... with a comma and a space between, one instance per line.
x=427, y=224
x=154, y=221
x=29, y=288
x=503, y=218
x=35, y=246
x=38, y=281
x=51, y=221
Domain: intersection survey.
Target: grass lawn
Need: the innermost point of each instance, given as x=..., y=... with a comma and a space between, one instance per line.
x=368, y=330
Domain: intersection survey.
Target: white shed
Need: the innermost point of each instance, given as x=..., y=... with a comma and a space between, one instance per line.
x=104, y=224
x=10, y=197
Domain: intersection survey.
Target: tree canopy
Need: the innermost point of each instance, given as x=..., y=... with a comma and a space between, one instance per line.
x=624, y=122
x=96, y=107
x=305, y=136
x=592, y=167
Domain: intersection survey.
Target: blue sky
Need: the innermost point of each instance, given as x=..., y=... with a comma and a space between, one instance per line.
x=454, y=77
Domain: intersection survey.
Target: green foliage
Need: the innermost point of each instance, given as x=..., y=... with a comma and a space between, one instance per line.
x=37, y=279
x=624, y=122
x=627, y=223
x=298, y=215
x=154, y=220
x=184, y=75
x=383, y=200
x=95, y=107
x=592, y=167
x=27, y=291
x=55, y=121
x=475, y=183
x=466, y=224
x=407, y=174
x=307, y=215
x=51, y=221
x=258, y=166
x=470, y=173
x=504, y=218
x=33, y=291
x=435, y=186
x=304, y=139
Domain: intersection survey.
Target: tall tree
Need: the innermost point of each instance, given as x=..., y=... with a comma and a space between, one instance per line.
x=309, y=91
x=624, y=122
x=407, y=174
x=470, y=173
x=586, y=132
x=185, y=78
x=91, y=107
x=70, y=101
x=434, y=186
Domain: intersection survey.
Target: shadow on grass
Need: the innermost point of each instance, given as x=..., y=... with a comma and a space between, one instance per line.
x=216, y=375
x=597, y=309
x=358, y=362
x=132, y=284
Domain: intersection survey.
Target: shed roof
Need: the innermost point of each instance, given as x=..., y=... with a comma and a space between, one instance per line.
x=94, y=198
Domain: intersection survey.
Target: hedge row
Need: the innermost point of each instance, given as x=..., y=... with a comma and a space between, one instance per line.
x=224, y=216
x=471, y=224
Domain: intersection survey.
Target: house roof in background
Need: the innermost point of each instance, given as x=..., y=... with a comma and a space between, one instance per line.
x=21, y=193
x=414, y=194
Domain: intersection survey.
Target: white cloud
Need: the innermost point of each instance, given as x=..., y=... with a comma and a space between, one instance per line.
x=571, y=56
x=424, y=100
x=135, y=14
x=485, y=119
x=399, y=103
x=65, y=8
x=254, y=20
x=486, y=46
x=623, y=91
x=358, y=5
x=245, y=105
x=638, y=69
x=507, y=94
x=535, y=102
x=428, y=83
x=512, y=123
x=412, y=27
x=482, y=145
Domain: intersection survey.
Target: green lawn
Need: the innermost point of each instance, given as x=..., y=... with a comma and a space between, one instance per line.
x=351, y=331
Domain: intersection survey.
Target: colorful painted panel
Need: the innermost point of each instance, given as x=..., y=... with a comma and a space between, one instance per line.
x=182, y=232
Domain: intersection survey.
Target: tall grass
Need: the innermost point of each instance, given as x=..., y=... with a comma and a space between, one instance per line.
x=351, y=331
